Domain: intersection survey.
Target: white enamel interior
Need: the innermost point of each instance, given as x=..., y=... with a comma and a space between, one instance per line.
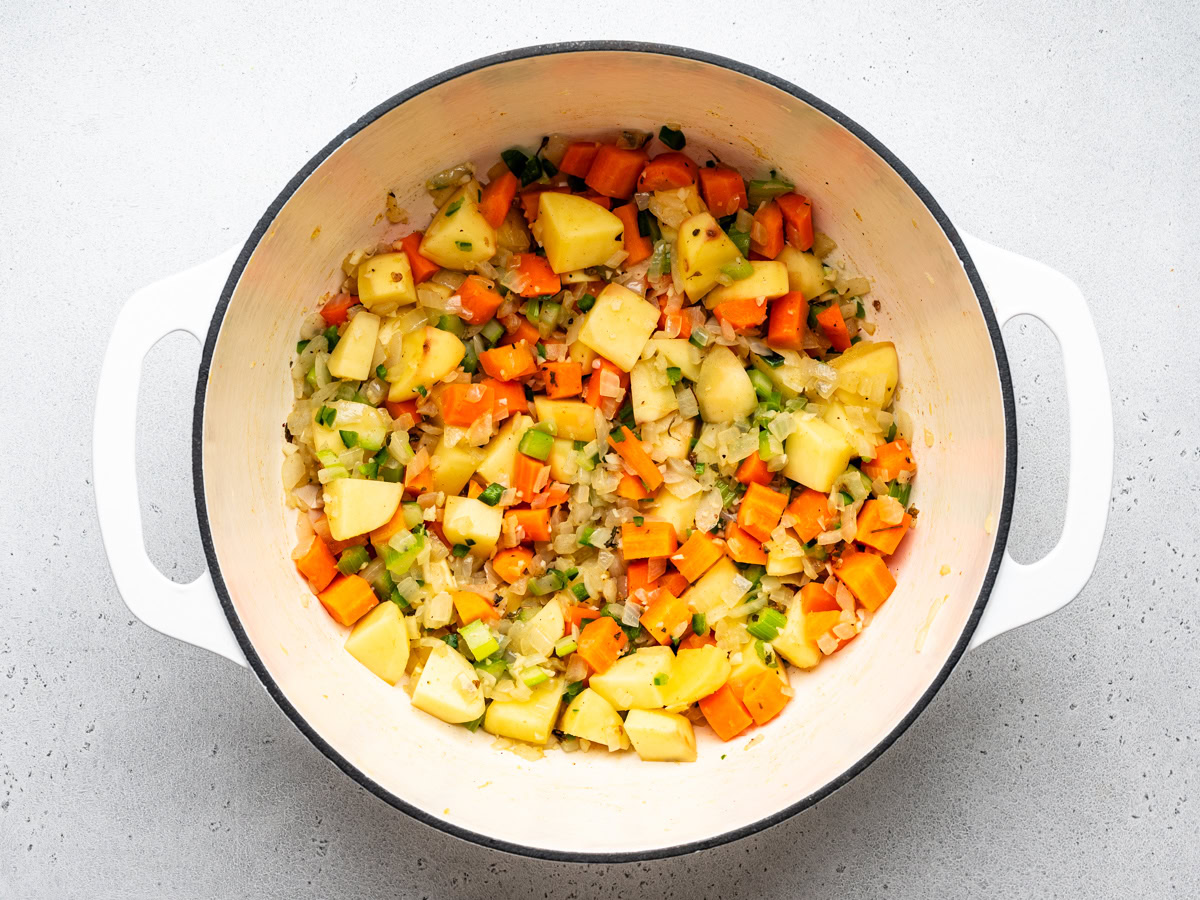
x=596, y=803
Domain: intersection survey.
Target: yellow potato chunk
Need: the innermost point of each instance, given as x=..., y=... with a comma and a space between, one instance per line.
x=683, y=355
x=724, y=391
x=652, y=395
x=715, y=588
x=591, y=717
x=472, y=522
x=619, y=325
x=459, y=236
x=680, y=512
x=427, y=356
x=351, y=358
x=817, y=454
x=355, y=506
x=698, y=671
x=501, y=452
x=867, y=373
x=630, y=682
x=573, y=420
x=659, y=736
x=526, y=720
x=805, y=272
x=792, y=644
x=448, y=687
x=380, y=642
x=385, y=283
x=769, y=279
x=450, y=468
x=576, y=232
x=701, y=248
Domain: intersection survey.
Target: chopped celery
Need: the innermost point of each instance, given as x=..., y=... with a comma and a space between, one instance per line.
x=401, y=552
x=767, y=189
x=535, y=675
x=413, y=514
x=766, y=624
x=585, y=537
x=537, y=444
x=563, y=646
x=739, y=269
x=764, y=445
x=661, y=678
x=674, y=374
x=494, y=666
x=353, y=559
x=901, y=492
x=753, y=573
x=648, y=226
x=533, y=311
x=326, y=416
x=479, y=639
x=672, y=137
x=741, y=240
x=492, y=332
x=580, y=591
x=452, y=324
x=300, y=346
x=762, y=384
x=470, y=363
x=460, y=550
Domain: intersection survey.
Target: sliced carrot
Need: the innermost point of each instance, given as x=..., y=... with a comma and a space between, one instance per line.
x=317, y=564
x=723, y=190
x=575, y=616
x=676, y=321
x=630, y=449
x=422, y=267
x=797, y=213
x=348, y=599
x=526, y=472
x=398, y=408
x=509, y=398
x=535, y=523
x=725, y=713
x=867, y=576
x=534, y=275
x=474, y=488
x=637, y=246
x=697, y=554
x=615, y=170
x=593, y=397
x=417, y=483
x=764, y=698
x=508, y=363
x=471, y=606
x=789, y=315
x=815, y=597
x=673, y=582
x=631, y=488
x=498, y=197
x=637, y=577
x=768, y=229
x=648, y=540
x=874, y=533
x=530, y=198
x=462, y=404
x=523, y=331
x=336, y=310
x=563, y=379
x=578, y=158
x=753, y=470
x=666, y=617
x=692, y=641
x=744, y=547
x=600, y=643
x=890, y=460
x=809, y=512
x=760, y=510
x=667, y=172
x=479, y=300
x=747, y=312
x=834, y=325
x=820, y=623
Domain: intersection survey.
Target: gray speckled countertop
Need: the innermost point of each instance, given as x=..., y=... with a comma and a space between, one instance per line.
x=138, y=138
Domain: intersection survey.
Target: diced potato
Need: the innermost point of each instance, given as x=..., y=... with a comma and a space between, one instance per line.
x=355, y=506
x=652, y=395
x=380, y=642
x=385, y=283
x=817, y=454
x=775, y=374
x=792, y=644
x=752, y=665
x=684, y=355
x=675, y=441
x=778, y=564
x=450, y=468
x=572, y=419
x=861, y=443
x=474, y=523
x=659, y=736
x=724, y=391
x=449, y=687
x=369, y=423
x=806, y=273
x=564, y=461
x=546, y=627
x=501, y=452
x=351, y=358
x=701, y=248
x=526, y=720
x=715, y=588
x=576, y=232
x=439, y=577
x=459, y=236
x=591, y=717
x=874, y=368
x=428, y=355
x=770, y=280
x=629, y=682
x=698, y=671
x=579, y=352
x=619, y=325
x=679, y=512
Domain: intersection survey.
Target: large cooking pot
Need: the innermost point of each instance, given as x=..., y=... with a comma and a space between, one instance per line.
x=944, y=297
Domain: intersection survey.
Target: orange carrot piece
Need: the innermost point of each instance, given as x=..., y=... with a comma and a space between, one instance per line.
x=471, y=606
x=523, y=331
x=615, y=170
x=764, y=698
x=526, y=472
x=697, y=554
x=768, y=226
x=637, y=577
x=531, y=197
x=744, y=547
x=748, y=312
x=474, y=488
x=675, y=321
x=563, y=379
x=593, y=397
x=673, y=582
x=317, y=564
x=789, y=318
x=534, y=275
x=498, y=197
x=797, y=213
x=422, y=267
x=666, y=617
x=760, y=510
x=575, y=616
x=335, y=311
x=479, y=300
x=834, y=326
x=753, y=470
x=462, y=404
x=723, y=190
x=535, y=523
x=890, y=460
x=725, y=713
x=630, y=449
x=667, y=172
x=815, y=597
x=819, y=623
x=650, y=539
x=867, y=576
x=508, y=363
x=417, y=483
x=637, y=246
x=692, y=641
x=631, y=488
x=810, y=512
x=578, y=158
x=874, y=533
x=348, y=599
x=509, y=398
x=398, y=408
x=600, y=643
x=598, y=199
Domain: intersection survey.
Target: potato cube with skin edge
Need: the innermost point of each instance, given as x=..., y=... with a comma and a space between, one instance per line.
x=806, y=273
x=817, y=454
x=659, y=736
x=427, y=356
x=715, y=588
x=591, y=717
x=354, y=506
x=869, y=361
x=501, y=453
x=701, y=249
x=724, y=391
x=526, y=720
x=450, y=468
x=449, y=687
x=576, y=232
x=351, y=358
x=571, y=419
x=651, y=393
x=630, y=683
x=769, y=280
x=385, y=283
x=380, y=642
x=472, y=523
x=792, y=642
x=619, y=324
x=679, y=511
x=698, y=671
x=459, y=236
x=683, y=355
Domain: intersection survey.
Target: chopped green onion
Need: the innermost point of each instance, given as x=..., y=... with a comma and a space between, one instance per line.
x=753, y=573
x=413, y=514
x=301, y=345
x=580, y=591
x=381, y=372
x=353, y=559
x=617, y=434
x=891, y=432
x=473, y=725
x=773, y=360
x=764, y=445
x=639, y=521
x=533, y=311
x=491, y=494
x=767, y=189
x=563, y=646
x=546, y=584
x=550, y=313
x=537, y=444
x=540, y=349
x=460, y=550
x=535, y=675
x=660, y=678
x=515, y=160
x=586, y=302
x=326, y=416
x=531, y=172
x=700, y=467
x=741, y=240
x=672, y=137
x=762, y=384
x=331, y=335
x=766, y=653
x=454, y=207
x=739, y=269
x=349, y=438
x=846, y=498
x=572, y=691
x=585, y=537
x=369, y=469
x=399, y=599
x=470, y=361
x=729, y=492
x=674, y=374
x=480, y=640
x=858, y=308
x=901, y=492
x=660, y=260
x=451, y=639
x=492, y=332
x=422, y=390
x=700, y=624
x=463, y=245
x=648, y=226
x=699, y=338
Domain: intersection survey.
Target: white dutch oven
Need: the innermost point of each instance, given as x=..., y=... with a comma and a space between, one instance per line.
x=944, y=297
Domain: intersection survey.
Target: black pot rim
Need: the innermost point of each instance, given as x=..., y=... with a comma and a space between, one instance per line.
x=1002, y=526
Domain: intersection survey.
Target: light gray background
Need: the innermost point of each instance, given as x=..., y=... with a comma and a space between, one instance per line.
x=139, y=138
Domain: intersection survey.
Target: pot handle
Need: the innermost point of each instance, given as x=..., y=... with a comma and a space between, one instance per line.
x=182, y=302
x=1024, y=593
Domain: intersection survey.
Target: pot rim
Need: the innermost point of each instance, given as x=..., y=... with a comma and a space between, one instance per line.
x=1002, y=526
